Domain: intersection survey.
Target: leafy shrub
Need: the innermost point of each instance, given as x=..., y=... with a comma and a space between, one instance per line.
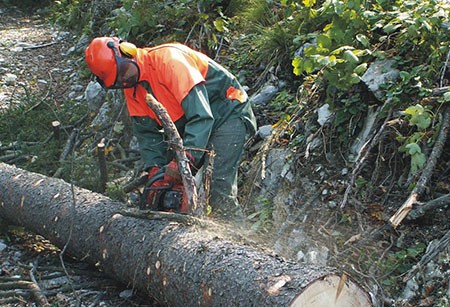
x=83, y=15
x=201, y=23
x=337, y=41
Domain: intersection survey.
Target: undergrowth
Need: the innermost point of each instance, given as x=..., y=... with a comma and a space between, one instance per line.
x=26, y=131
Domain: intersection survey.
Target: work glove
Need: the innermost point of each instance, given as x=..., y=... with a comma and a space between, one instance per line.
x=172, y=173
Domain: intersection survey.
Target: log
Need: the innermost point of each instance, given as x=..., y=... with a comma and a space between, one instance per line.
x=174, y=264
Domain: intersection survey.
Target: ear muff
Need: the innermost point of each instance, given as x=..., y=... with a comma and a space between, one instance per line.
x=128, y=49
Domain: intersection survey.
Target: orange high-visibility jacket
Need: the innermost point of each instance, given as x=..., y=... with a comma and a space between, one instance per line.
x=171, y=71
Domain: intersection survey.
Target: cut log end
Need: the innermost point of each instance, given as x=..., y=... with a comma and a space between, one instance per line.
x=332, y=291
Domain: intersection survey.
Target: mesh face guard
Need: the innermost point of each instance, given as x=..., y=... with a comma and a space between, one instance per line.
x=127, y=74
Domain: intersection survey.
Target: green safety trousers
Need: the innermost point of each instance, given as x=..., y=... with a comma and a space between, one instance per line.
x=227, y=140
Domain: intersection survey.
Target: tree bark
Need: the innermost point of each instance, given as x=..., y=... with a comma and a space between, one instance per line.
x=175, y=264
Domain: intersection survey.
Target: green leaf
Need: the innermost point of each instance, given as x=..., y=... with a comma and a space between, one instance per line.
x=354, y=78
x=360, y=69
x=350, y=57
x=118, y=127
x=324, y=60
x=405, y=75
x=417, y=157
x=413, y=110
x=308, y=66
x=323, y=41
x=390, y=28
x=447, y=96
x=309, y=3
x=427, y=26
x=297, y=64
x=419, y=116
x=417, y=162
x=219, y=24
x=413, y=148
x=363, y=40
x=339, y=7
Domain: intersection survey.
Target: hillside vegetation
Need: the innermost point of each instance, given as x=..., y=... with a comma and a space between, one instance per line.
x=317, y=53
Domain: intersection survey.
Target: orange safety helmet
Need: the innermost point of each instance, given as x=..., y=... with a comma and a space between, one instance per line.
x=113, y=69
x=101, y=59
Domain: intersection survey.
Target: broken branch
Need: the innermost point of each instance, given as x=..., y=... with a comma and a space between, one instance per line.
x=180, y=154
x=407, y=206
x=434, y=204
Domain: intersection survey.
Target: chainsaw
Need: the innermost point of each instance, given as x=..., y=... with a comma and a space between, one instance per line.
x=164, y=197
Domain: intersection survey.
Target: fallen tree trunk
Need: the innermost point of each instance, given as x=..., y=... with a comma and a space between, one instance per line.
x=175, y=264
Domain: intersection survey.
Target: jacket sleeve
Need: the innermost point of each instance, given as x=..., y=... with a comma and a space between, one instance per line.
x=152, y=146
x=199, y=121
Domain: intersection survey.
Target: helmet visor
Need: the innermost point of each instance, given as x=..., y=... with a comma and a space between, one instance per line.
x=127, y=72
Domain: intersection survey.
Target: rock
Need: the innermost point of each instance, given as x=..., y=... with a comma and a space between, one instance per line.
x=3, y=246
x=94, y=95
x=448, y=290
x=265, y=95
x=364, y=134
x=10, y=79
x=264, y=131
x=324, y=114
x=76, y=87
x=317, y=255
x=128, y=293
x=108, y=110
x=300, y=256
x=276, y=162
x=410, y=290
x=378, y=74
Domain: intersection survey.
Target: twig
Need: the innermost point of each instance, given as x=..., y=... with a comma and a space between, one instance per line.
x=440, y=91
x=428, y=206
x=367, y=149
x=208, y=176
x=166, y=216
x=102, y=165
x=67, y=148
x=444, y=68
x=56, y=125
x=429, y=255
x=136, y=183
x=40, y=46
x=407, y=206
x=72, y=221
x=8, y=157
x=36, y=290
x=264, y=151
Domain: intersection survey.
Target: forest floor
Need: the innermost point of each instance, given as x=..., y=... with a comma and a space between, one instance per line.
x=33, y=55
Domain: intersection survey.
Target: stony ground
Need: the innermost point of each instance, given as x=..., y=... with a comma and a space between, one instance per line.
x=34, y=59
